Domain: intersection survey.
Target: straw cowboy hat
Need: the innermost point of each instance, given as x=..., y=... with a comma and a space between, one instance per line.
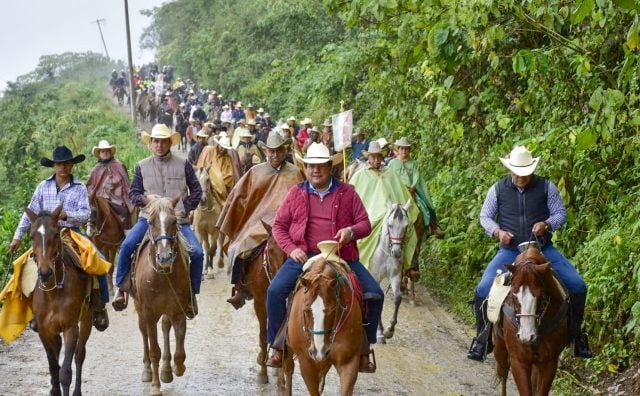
x=403, y=142
x=520, y=161
x=160, y=131
x=317, y=153
x=307, y=121
x=61, y=154
x=274, y=141
x=244, y=132
x=261, y=110
x=225, y=107
x=103, y=145
x=292, y=118
x=251, y=122
x=202, y=133
x=375, y=149
x=382, y=142
x=327, y=123
x=223, y=141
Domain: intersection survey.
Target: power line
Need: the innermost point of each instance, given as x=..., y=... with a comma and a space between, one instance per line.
x=97, y=21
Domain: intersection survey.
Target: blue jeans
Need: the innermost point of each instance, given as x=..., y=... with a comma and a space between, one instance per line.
x=135, y=236
x=563, y=268
x=285, y=280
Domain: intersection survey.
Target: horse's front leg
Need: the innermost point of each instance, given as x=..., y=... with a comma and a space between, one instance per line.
x=52, y=344
x=146, y=370
x=310, y=375
x=521, y=375
x=395, y=281
x=154, y=356
x=348, y=374
x=81, y=351
x=546, y=374
x=70, y=342
x=166, y=375
x=259, y=305
x=179, y=323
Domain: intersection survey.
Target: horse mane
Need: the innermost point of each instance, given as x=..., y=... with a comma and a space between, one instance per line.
x=166, y=204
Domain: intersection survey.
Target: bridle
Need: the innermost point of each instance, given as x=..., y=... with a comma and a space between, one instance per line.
x=391, y=239
x=173, y=239
x=57, y=259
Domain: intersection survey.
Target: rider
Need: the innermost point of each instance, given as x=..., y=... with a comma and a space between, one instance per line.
x=321, y=208
x=109, y=179
x=255, y=197
x=162, y=175
x=525, y=206
x=63, y=189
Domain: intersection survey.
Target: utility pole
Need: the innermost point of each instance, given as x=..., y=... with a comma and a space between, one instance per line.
x=132, y=98
x=101, y=36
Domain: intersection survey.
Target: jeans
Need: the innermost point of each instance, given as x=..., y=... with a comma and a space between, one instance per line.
x=135, y=236
x=563, y=268
x=285, y=281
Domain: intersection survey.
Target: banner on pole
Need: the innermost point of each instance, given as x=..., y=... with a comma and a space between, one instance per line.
x=342, y=126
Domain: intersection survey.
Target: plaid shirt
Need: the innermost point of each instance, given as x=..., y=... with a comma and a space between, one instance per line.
x=73, y=197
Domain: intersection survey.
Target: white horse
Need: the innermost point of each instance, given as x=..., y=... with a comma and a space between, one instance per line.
x=204, y=224
x=387, y=261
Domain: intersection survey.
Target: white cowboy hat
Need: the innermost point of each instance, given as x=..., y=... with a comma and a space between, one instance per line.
x=285, y=126
x=249, y=106
x=327, y=123
x=307, y=121
x=244, y=132
x=374, y=148
x=382, y=142
x=317, y=153
x=403, y=142
x=160, y=131
x=223, y=141
x=292, y=118
x=520, y=161
x=202, y=133
x=274, y=141
x=225, y=107
x=103, y=145
x=261, y=110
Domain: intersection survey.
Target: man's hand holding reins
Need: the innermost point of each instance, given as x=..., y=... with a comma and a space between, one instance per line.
x=299, y=255
x=505, y=237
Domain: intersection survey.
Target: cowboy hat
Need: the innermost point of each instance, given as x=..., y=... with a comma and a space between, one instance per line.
x=382, y=142
x=249, y=106
x=375, y=149
x=244, y=133
x=103, y=145
x=223, y=141
x=520, y=161
x=292, y=118
x=251, y=122
x=274, y=141
x=360, y=131
x=202, y=133
x=225, y=107
x=307, y=121
x=327, y=123
x=160, y=131
x=61, y=154
x=261, y=110
x=403, y=142
x=267, y=115
x=239, y=104
x=317, y=153
x=285, y=126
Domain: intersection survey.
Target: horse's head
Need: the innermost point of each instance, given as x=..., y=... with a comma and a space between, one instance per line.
x=397, y=222
x=531, y=274
x=46, y=242
x=322, y=307
x=93, y=217
x=163, y=233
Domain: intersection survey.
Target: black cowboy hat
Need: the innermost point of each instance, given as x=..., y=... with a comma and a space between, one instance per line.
x=61, y=154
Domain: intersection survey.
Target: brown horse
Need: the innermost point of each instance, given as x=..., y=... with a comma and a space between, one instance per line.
x=204, y=223
x=61, y=301
x=324, y=329
x=161, y=288
x=534, y=326
x=105, y=230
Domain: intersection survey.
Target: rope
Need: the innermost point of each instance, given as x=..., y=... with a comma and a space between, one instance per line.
x=6, y=271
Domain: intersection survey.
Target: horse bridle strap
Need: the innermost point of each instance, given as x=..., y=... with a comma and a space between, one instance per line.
x=544, y=327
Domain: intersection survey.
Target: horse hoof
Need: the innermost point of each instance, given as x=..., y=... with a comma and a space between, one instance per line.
x=382, y=340
x=179, y=370
x=166, y=376
x=155, y=390
x=146, y=375
x=388, y=334
x=262, y=379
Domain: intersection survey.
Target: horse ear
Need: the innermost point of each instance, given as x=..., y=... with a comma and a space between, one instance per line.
x=266, y=226
x=511, y=268
x=407, y=205
x=174, y=201
x=544, y=267
x=31, y=214
x=56, y=213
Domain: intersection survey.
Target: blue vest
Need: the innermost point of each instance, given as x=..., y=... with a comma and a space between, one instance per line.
x=519, y=211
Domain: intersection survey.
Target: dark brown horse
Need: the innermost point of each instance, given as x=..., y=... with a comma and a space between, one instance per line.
x=105, y=230
x=161, y=288
x=324, y=329
x=533, y=328
x=61, y=301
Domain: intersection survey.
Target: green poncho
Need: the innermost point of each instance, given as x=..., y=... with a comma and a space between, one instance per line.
x=410, y=175
x=377, y=190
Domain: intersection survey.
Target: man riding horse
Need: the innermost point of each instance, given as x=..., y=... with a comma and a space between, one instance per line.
x=255, y=198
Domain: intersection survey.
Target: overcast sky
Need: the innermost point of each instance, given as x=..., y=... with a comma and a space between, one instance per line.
x=32, y=28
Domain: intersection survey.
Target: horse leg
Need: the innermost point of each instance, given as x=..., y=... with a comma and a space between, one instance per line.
x=521, y=375
x=219, y=243
x=310, y=375
x=154, y=356
x=348, y=374
x=166, y=375
x=546, y=373
x=286, y=375
x=208, y=246
x=81, y=351
x=502, y=361
x=260, y=306
x=146, y=371
x=180, y=331
x=397, y=299
x=52, y=344
x=380, y=333
x=71, y=335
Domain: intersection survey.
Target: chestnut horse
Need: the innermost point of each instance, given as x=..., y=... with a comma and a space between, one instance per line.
x=61, y=301
x=204, y=223
x=534, y=326
x=105, y=230
x=324, y=328
x=161, y=288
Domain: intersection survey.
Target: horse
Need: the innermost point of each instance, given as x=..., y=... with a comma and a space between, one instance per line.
x=61, y=301
x=534, y=326
x=204, y=223
x=387, y=261
x=161, y=288
x=119, y=93
x=324, y=329
x=105, y=230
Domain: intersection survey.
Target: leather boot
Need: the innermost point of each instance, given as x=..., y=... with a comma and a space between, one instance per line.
x=481, y=345
x=275, y=360
x=119, y=300
x=579, y=336
x=237, y=298
x=100, y=316
x=192, y=308
x=366, y=365
x=435, y=228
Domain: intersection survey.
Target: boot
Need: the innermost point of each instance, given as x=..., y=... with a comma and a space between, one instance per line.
x=481, y=345
x=33, y=325
x=275, y=360
x=120, y=300
x=579, y=337
x=414, y=272
x=100, y=316
x=435, y=228
x=237, y=298
x=366, y=365
x=192, y=308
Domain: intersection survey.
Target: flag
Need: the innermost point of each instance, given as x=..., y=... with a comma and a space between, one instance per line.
x=342, y=126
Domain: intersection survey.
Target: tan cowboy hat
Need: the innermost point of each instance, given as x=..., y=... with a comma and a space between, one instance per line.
x=103, y=145
x=292, y=118
x=160, y=131
x=360, y=131
x=223, y=141
x=249, y=106
x=267, y=115
x=307, y=121
x=403, y=142
x=202, y=133
x=251, y=122
x=375, y=149
x=317, y=153
x=327, y=123
x=382, y=142
x=520, y=161
x=274, y=141
x=239, y=104
x=244, y=132
x=222, y=134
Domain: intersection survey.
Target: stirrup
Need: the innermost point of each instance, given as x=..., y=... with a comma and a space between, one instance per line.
x=120, y=301
x=477, y=350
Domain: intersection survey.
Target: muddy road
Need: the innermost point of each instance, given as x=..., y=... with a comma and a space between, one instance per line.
x=426, y=356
